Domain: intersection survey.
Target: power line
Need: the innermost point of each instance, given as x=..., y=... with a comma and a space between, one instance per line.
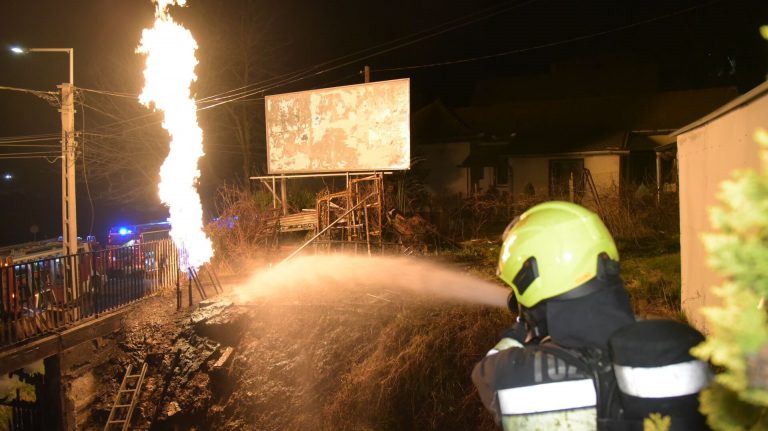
x=29, y=153
x=419, y=36
x=290, y=78
x=24, y=140
x=141, y=126
x=27, y=90
x=286, y=79
x=110, y=93
x=550, y=44
x=85, y=171
x=41, y=135
x=50, y=159
x=6, y=145
x=49, y=96
x=246, y=97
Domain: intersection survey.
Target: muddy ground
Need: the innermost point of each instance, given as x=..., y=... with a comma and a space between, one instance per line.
x=327, y=357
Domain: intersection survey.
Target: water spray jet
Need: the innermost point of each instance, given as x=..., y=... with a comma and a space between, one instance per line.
x=340, y=272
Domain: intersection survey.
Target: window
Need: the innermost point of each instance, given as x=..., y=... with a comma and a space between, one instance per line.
x=502, y=173
x=560, y=173
x=477, y=173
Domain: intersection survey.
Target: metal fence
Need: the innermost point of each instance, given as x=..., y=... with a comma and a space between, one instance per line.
x=24, y=415
x=45, y=295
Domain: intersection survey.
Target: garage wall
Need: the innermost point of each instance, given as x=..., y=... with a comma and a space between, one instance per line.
x=707, y=155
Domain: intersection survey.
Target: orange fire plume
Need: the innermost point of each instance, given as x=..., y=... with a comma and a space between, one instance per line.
x=170, y=50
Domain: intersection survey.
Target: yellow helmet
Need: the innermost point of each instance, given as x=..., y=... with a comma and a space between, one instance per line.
x=551, y=249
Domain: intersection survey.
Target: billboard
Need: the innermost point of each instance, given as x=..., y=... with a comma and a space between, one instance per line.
x=362, y=127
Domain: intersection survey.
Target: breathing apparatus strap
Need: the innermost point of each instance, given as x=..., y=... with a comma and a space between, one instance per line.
x=598, y=366
x=536, y=322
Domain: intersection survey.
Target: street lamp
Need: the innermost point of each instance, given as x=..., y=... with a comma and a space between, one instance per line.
x=68, y=197
x=70, y=51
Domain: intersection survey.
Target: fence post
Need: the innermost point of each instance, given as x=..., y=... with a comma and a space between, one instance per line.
x=189, y=277
x=178, y=292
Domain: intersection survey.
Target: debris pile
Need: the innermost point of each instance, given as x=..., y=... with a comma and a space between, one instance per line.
x=182, y=352
x=330, y=357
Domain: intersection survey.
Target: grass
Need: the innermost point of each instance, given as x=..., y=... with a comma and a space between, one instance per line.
x=408, y=365
x=653, y=283
x=650, y=269
x=418, y=374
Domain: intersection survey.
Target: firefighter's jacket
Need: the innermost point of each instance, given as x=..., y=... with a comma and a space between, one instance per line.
x=646, y=368
x=539, y=387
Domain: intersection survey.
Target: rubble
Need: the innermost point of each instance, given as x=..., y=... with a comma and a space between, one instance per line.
x=330, y=358
x=219, y=321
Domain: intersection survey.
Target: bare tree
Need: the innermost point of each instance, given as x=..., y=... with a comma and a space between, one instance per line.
x=240, y=57
x=121, y=148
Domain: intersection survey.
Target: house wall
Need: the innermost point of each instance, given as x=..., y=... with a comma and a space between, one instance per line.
x=604, y=170
x=535, y=170
x=707, y=155
x=445, y=177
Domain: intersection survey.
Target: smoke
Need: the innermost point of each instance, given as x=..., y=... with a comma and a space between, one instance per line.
x=312, y=273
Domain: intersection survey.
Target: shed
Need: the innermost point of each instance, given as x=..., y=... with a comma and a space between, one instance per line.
x=708, y=151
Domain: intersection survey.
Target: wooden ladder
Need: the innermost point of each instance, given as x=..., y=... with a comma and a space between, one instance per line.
x=130, y=387
x=590, y=182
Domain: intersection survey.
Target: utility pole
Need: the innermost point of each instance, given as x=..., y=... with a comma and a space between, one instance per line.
x=68, y=197
x=367, y=74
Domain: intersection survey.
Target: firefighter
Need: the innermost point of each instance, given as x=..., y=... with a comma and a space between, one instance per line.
x=554, y=368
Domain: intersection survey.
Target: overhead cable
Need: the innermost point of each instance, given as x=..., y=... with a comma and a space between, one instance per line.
x=549, y=44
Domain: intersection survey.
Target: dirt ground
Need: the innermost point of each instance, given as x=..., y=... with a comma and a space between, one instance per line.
x=329, y=358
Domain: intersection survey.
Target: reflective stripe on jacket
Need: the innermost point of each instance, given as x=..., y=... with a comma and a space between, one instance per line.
x=674, y=380
x=534, y=388
x=567, y=405
x=572, y=420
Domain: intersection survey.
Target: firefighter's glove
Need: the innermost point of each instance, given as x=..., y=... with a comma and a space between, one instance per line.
x=513, y=337
x=518, y=332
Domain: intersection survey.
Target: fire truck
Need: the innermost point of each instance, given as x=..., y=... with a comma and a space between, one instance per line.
x=120, y=236
x=126, y=253
x=32, y=273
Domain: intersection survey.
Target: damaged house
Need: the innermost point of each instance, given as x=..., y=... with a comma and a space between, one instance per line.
x=578, y=131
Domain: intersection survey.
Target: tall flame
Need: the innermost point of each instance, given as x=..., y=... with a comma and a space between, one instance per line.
x=170, y=51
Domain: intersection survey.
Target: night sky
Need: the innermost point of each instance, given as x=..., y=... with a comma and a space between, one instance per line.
x=274, y=47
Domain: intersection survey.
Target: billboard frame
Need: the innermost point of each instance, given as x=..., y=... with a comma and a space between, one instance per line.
x=288, y=173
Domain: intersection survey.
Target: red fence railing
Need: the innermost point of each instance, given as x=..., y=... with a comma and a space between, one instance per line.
x=46, y=295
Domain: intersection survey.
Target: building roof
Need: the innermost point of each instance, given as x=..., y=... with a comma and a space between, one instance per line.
x=744, y=99
x=436, y=123
x=556, y=143
x=486, y=154
x=665, y=110
x=609, y=123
